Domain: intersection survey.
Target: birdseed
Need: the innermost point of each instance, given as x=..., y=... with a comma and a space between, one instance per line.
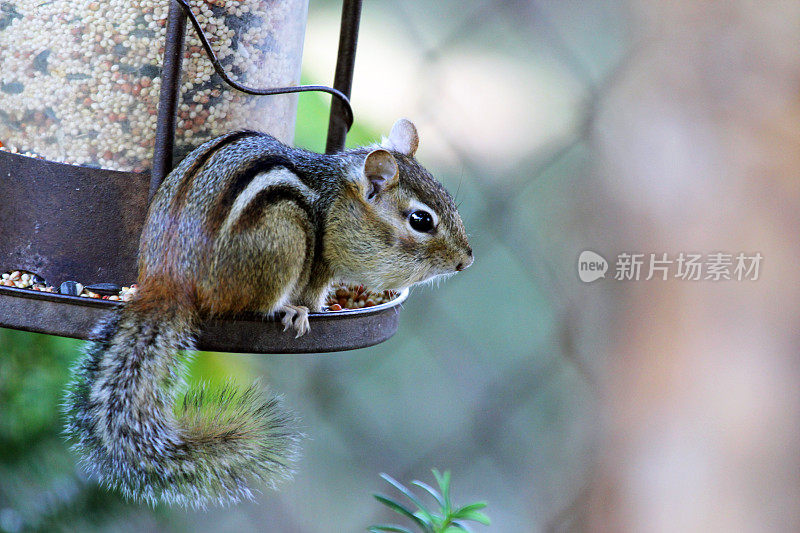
x=343, y=296
x=340, y=297
x=80, y=80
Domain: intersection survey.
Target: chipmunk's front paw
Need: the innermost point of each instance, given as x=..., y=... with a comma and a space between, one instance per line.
x=295, y=316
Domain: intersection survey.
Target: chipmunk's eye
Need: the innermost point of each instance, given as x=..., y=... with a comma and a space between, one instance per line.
x=421, y=221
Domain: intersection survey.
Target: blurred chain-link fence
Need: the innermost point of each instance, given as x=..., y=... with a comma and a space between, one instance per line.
x=493, y=373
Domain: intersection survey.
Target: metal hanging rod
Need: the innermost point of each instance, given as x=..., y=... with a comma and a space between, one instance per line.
x=343, y=99
x=341, y=116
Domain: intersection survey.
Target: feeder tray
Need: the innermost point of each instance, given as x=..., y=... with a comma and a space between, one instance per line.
x=67, y=222
x=76, y=317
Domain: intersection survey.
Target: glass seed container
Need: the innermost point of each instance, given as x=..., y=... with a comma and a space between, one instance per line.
x=80, y=79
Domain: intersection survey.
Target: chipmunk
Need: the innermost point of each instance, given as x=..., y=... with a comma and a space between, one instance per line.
x=245, y=223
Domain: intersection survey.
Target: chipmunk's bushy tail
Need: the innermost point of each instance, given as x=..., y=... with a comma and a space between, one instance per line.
x=121, y=412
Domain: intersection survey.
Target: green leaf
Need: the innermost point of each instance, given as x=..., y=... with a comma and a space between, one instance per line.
x=388, y=527
x=444, y=485
x=426, y=514
x=467, y=508
x=433, y=520
x=391, y=503
x=475, y=516
x=396, y=507
x=431, y=491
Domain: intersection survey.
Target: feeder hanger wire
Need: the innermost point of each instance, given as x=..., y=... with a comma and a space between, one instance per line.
x=219, y=69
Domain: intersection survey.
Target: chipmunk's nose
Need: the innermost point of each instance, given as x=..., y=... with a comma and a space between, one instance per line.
x=466, y=262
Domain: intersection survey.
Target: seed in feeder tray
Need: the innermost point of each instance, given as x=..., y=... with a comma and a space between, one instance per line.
x=342, y=296
x=127, y=293
x=106, y=289
x=42, y=287
x=22, y=279
x=71, y=288
x=17, y=278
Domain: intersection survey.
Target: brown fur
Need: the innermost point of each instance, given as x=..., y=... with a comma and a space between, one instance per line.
x=244, y=223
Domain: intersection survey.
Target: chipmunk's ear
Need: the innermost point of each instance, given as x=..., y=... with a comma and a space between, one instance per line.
x=403, y=138
x=380, y=171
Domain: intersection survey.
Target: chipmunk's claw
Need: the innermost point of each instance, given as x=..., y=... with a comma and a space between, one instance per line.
x=296, y=317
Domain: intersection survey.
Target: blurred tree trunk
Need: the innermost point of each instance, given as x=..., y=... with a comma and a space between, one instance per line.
x=699, y=142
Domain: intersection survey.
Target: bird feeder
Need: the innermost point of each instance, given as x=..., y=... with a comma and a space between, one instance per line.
x=101, y=98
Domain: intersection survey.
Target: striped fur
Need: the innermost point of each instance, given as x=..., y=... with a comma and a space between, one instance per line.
x=239, y=181
x=198, y=158
x=244, y=223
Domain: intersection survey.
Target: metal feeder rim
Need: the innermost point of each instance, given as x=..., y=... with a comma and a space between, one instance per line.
x=111, y=304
